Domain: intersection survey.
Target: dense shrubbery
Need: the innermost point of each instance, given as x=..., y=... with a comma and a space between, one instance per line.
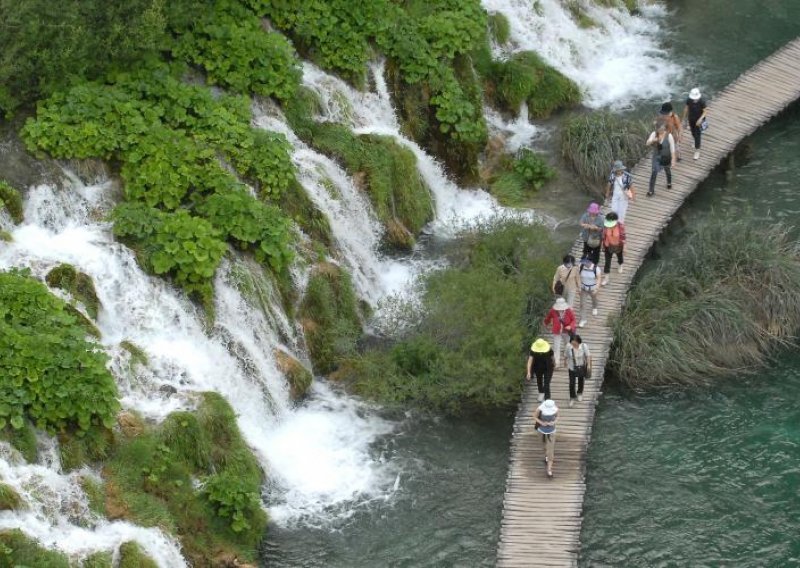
x=167, y=134
x=467, y=349
x=51, y=374
x=17, y=549
x=150, y=474
x=591, y=142
x=726, y=296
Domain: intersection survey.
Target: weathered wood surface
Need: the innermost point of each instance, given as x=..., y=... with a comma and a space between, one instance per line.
x=542, y=517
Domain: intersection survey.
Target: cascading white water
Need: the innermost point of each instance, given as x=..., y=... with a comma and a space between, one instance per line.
x=236, y=359
x=615, y=62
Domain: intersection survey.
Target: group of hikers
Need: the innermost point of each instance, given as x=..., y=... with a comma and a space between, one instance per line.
x=581, y=280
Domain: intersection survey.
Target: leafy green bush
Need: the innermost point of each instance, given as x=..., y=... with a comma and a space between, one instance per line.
x=725, y=297
x=591, y=142
x=329, y=315
x=11, y=199
x=239, y=54
x=52, y=374
x=78, y=284
x=187, y=248
x=232, y=499
x=466, y=350
x=516, y=179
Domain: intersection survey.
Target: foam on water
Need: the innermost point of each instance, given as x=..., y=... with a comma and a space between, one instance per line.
x=615, y=62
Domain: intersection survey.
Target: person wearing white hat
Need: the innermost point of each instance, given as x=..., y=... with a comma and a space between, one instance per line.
x=541, y=361
x=561, y=321
x=695, y=109
x=545, y=418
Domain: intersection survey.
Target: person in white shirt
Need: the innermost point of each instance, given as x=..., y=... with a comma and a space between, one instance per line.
x=663, y=156
x=579, y=363
x=620, y=189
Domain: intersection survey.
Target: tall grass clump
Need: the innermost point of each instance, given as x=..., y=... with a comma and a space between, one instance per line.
x=724, y=299
x=591, y=142
x=518, y=178
x=463, y=346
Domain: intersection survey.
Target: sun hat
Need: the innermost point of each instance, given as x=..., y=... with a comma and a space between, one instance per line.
x=666, y=108
x=610, y=223
x=549, y=407
x=618, y=165
x=593, y=209
x=540, y=346
x=561, y=304
x=694, y=94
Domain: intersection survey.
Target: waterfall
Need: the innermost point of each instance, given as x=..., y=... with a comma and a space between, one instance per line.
x=615, y=61
x=235, y=359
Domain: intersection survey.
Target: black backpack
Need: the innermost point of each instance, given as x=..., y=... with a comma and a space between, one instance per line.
x=664, y=152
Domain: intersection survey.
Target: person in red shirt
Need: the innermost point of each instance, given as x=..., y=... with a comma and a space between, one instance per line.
x=561, y=321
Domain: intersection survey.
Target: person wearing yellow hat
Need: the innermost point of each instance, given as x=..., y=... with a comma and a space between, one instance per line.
x=541, y=362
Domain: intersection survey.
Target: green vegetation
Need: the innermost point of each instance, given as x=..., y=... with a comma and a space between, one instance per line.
x=131, y=556
x=137, y=354
x=19, y=550
x=463, y=348
x=298, y=377
x=95, y=494
x=9, y=499
x=150, y=476
x=98, y=560
x=389, y=175
x=525, y=78
x=78, y=284
x=499, y=28
x=516, y=179
x=727, y=295
x=329, y=316
x=23, y=439
x=52, y=375
x=11, y=200
x=591, y=142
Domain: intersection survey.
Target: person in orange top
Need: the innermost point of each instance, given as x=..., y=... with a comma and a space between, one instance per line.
x=561, y=321
x=672, y=121
x=613, y=243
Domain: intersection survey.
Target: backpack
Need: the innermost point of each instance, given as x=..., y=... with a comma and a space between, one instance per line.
x=612, y=237
x=664, y=152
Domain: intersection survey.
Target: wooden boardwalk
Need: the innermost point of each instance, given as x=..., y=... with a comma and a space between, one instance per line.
x=542, y=517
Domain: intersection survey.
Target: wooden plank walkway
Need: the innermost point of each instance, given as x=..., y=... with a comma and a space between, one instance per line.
x=542, y=517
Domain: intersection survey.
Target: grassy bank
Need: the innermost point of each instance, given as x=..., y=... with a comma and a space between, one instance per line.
x=463, y=347
x=723, y=301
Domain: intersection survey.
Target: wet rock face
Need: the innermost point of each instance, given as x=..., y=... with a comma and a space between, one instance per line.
x=20, y=168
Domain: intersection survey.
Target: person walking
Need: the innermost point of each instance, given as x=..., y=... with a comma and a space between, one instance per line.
x=565, y=280
x=545, y=418
x=591, y=232
x=561, y=321
x=663, y=156
x=672, y=121
x=589, y=275
x=541, y=362
x=695, y=110
x=620, y=188
x=579, y=367
x=613, y=243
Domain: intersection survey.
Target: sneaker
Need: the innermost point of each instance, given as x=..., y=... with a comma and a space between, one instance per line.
x=571, y=402
x=594, y=312
x=582, y=323
x=540, y=398
x=697, y=154
x=651, y=193
x=580, y=398
x=621, y=268
x=604, y=281
x=669, y=186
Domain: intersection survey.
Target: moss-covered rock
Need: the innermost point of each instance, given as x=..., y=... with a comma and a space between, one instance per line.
x=78, y=284
x=80, y=448
x=19, y=550
x=525, y=77
x=6, y=237
x=150, y=480
x=11, y=201
x=130, y=423
x=9, y=498
x=298, y=377
x=98, y=560
x=132, y=556
x=95, y=494
x=329, y=316
x=22, y=439
x=499, y=27
x=137, y=354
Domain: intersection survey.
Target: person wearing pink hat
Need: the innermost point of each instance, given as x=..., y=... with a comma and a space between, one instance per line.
x=592, y=232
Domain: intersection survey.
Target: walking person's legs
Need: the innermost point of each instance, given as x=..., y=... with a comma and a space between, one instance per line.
x=550, y=452
x=557, y=348
x=548, y=376
x=594, y=302
x=668, y=170
x=696, y=134
x=539, y=381
x=594, y=255
x=569, y=296
x=583, y=308
x=572, y=376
